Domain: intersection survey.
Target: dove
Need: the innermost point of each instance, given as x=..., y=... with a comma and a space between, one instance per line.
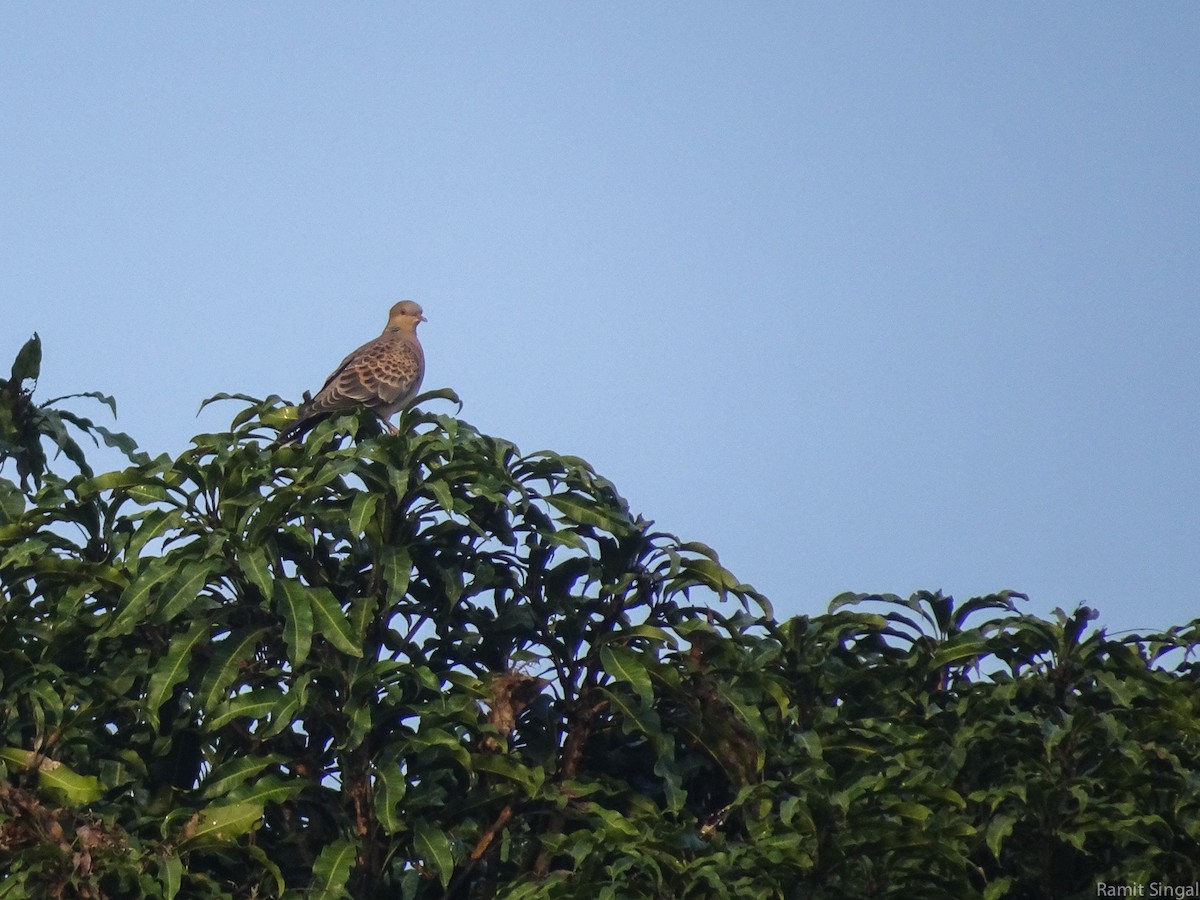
x=383, y=375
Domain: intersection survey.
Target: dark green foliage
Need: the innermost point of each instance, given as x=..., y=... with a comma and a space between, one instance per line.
x=24, y=426
x=426, y=665
x=1012, y=757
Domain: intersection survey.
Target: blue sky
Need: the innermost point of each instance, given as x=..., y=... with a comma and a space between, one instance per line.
x=868, y=296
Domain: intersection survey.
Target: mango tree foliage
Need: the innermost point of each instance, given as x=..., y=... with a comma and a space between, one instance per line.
x=25, y=426
x=427, y=665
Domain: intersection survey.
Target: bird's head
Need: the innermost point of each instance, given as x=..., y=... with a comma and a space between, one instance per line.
x=405, y=316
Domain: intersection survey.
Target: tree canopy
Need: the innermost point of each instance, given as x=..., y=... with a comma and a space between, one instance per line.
x=428, y=665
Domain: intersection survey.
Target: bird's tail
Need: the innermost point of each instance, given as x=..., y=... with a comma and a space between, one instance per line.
x=298, y=429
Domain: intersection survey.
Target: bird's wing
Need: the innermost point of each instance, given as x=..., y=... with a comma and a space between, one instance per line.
x=378, y=375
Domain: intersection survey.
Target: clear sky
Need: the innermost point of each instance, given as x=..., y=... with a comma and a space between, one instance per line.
x=868, y=296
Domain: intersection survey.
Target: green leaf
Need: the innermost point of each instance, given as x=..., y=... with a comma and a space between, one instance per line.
x=271, y=789
x=181, y=591
x=135, y=599
x=998, y=829
x=229, y=775
x=438, y=394
x=153, y=525
x=851, y=599
x=12, y=532
x=332, y=622
x=228, y=658
x=528, y=777
x=12, y=502
x=711, y=573
x=61, y=782
x=170, y=875
x=1124, y=694
x=396, y=566
x=441, y=492
x=583, y=510
x=28, y=364
x=433, y=847
x=283, y=714
x=701, y=548
x=215, y=398
x=915, y=811
x=264, y=863
x=362, y=510
x=121, y=479
x=390, y=788
x=651, y=633
x=255, y=704
x=965, y=646
x=149, y=493
x=636, y=717
x=69, y=786
x=812, y=743
x=172, y=669
x=292, y=600
x=106, y=399
x=331, y=870
x=359, y=725
x=1003, y=600
x=220, y=824
x=121, y=441
x=257, y=570
x=625, y=665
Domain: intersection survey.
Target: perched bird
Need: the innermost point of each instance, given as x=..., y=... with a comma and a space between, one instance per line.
x=383, y=375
